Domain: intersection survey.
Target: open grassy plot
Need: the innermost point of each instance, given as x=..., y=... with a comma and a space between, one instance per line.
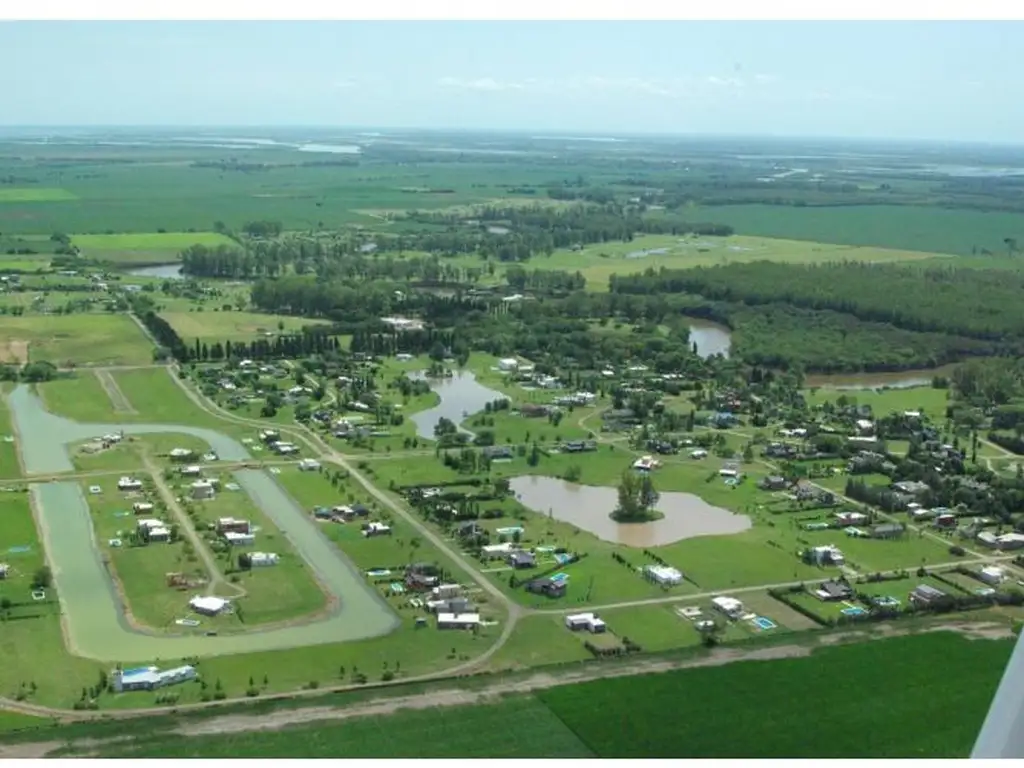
x=598, y=262
x=928, y=400
x=16, y=721
x=287, y=590
x=9, y=463
x=467, y=731
x=86, y=339
x=145, y=247
x=156, y=397
x=232, y=326
x=132, y=451
x=140, y=568
x=935, y=229
x=35, y=195
x=833, y=694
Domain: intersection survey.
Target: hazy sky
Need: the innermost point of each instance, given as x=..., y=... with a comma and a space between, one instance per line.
x=957, y=80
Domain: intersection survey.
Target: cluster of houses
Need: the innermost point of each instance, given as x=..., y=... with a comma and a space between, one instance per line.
x=272, y=439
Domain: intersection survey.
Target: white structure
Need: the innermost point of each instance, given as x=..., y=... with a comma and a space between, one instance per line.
x=263, y=559
x=866, y=427
x=150, y=523
x=4, y=570
x=508, y=364
x=129, y=484
x=180, y=454
x=284, y=449
x=193, y=470
x=239, y=539
x=149, y=678
x=646, y=463
x=828, y=554
x=663, y=575
x=309, y=465
x=992, y=575
x=851, y=518
x=159, y=533
x=141, y=507
x=445, y=591
x=730, y=606
x=233, y=524
x=201, y=489
x=497, y=550
x=208, y=606
x=376, y=529
x=698, y=453
x=587, y=621
x=458, y=620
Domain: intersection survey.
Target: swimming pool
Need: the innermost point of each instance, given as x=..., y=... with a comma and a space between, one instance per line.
x=853, y=610
x=560, y=577
x=563, y=559
x=763, y=623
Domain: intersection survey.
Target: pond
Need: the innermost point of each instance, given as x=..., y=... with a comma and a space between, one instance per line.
x=588, y=507
x=166, y=271
x=710, y=338
x=461, y=396
x=894, y=379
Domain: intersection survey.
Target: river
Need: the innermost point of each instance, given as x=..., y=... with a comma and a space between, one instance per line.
x=589, y=508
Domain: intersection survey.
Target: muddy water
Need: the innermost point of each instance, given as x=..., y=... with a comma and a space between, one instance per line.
x=461, y=396
x=588, y=507
x=894, y=380
x=167, y=271
x=710, y=338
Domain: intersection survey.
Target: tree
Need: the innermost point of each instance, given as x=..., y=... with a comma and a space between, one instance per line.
x=42, y=578
x=637, y=495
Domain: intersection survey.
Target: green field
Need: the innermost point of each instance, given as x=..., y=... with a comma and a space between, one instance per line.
x=74, y=340
x=35, y=195
x=600, y=261
x=231, y=326
x=773, y=706
x=145, y=247
x=924, y=229
x=8, y=449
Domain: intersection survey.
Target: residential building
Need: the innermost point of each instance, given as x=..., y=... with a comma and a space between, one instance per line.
x=774, y=483
x=376, y=529
x=851, y=518
x=508, y=364
x=239, y=539
x=888, y=531
x=587, y=621
x=232, y=524
x=834, y=590
x=663, y=575
x=548, y=587
x=4, y=570
x=192, y=470
x=142, y=507
x=825, y=555
x=992, y=575
x=730, y=606
x=521, y=559
x=261, y=559
x=129, y=484
x=458, y=620
x=308, y=465
x=925, y=594
x=208, y=606
x=201, y=490
x=149, y=678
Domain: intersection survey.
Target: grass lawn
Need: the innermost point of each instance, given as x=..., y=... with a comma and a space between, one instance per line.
x=928, y=400
x=141, y=571
x=82, y=339
x=231, y=326
x=129, y=453
x=146, y=247
x=285, y=591
x=35, y=195
x=16, y=721
x=156, y=397
x=598, y=262
x=784, y=700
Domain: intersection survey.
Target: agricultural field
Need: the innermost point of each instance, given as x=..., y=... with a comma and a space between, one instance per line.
x=35, y=195
x=232, y=326
x=598, y=262
x=138, y=249
x=901, y=227
x=88, y=339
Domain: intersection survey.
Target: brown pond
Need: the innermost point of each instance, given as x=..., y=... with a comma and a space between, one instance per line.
x=894, y=380
x=588, y=507
x=709, y=338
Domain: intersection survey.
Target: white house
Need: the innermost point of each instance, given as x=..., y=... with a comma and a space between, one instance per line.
x=445, y=591
x=403, y=357
x=698, y=453
x=4, y=570
x=827, y=554
x=309, y=465
x=159, y=533
x=129, y=484
x=150, y=523
x=263, y=559
x=201, y=489
x=508, y=364
x=208, y=606
x=851, y=518
x=141, y=507
x=663, y=575
x=149, y=678
x=376, y=529
x=180, y=454
x=496, y=551
x=458, y=620
x=284, y=448
x=992, y=575
x=646, y=463
x=193, y=470
x=866, y=427
x=239, y=539
x=587, y=621
x=730, y=606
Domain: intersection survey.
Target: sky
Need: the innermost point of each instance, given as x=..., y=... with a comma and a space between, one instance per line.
x=951, y=81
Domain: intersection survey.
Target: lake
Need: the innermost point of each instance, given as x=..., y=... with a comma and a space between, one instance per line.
x=894, y=379
x=461, y=396
x=166, y=271
x=588, y=507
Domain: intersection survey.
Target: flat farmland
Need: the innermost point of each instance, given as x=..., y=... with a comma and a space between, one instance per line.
x=232, y=326
x=35, y=195
x=926, y=229
x=91, y=339
x=145, y=247
x=598, y=262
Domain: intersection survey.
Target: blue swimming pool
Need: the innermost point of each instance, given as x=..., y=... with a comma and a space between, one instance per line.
x=560, y=577
x=563, y=559
x=853, y=610
x=762, y=623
